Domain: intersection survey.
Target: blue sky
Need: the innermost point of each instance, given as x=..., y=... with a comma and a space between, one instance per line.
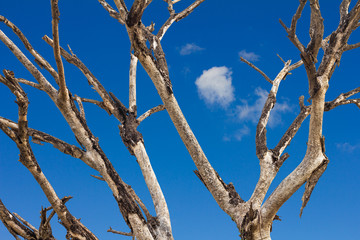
x=221, y=98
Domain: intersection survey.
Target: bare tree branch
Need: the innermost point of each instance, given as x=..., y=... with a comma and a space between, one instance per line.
x=38, y=58
x=27, y=158
x=293, y=128
x=27, y=82
x=344, y=9
x=93, y=81
x=150, y=112
x=316, y=30
x=351, y=46
x=112, y=11
x=257, y=69
x=261, y=145
x=38, y=137
x=121, y=6
x=26, y=223
x=55, y=29
x=130, y=234
x=342, y=99
x=14, y=226
x=132, y=84
x=98, y=177
x=177, y=17
x=98, y=103
x=292, y=30
x=136, y=12
x=48, y=88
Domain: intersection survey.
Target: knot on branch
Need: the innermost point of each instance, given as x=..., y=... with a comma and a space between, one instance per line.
x=129, y=133
x=128, y=130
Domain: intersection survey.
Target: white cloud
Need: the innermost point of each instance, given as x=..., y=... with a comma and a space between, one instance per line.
x=347, y=147
x=190, y=48
x=252, y=112
x=250, y=56
x=215, y=86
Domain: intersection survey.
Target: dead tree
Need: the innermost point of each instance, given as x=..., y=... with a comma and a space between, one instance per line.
x=253, y=217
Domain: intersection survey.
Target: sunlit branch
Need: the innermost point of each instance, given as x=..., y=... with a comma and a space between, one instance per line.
x=73, y=59
x=351, y=46
x=293, y=129
x=55, y=29
x=292, y=30
x=38, y=58
x=29, y=83
x=132, y=84
x=47, y=87
x=177, y=17
x=38, y=137
x=112, y=11
x=130, y=234
x=342, y=99
x=316, y=29
x=257, y=69
x=150, y=112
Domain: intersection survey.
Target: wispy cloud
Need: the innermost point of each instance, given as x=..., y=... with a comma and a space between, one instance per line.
x=348, y=147
x=251, y=112
x=250, y=56
x=189, y=49
x=215, y=86
x=240, y=133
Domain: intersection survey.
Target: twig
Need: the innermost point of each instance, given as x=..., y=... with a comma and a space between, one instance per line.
x=98, y=177
x=293, y=128
x=130, y=234
x=351, y=46
x=170, y=7
x=295, y=65
x=52, y=214
x=342, y=99
x=257, y=69
x=292, y=30
x=55, y=28
x=177, y=17
x=73, y=59
x=64, y=200
x=47, y=87
x=29, y=83
x=38, y=137
x=112, y=11
x=150, y=112
x=96, y=102
x=280, y=58
x=26, y=223
x=38, y=58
